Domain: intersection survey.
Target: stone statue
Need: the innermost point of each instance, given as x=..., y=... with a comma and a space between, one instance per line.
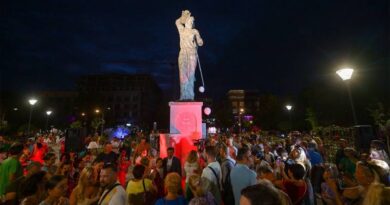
x=188, y=57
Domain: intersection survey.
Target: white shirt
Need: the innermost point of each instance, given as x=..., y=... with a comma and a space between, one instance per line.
x=190, y=169
x=116, y=196
x=169, y=164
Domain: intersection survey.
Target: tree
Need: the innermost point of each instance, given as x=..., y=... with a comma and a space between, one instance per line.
x=381, y=120
x=76, y=124
x=96, y=123
x=311, y=118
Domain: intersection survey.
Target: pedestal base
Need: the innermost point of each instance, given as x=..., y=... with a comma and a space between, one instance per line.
x=185, y=126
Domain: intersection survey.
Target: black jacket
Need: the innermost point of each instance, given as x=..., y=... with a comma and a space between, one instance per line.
x=176, y=166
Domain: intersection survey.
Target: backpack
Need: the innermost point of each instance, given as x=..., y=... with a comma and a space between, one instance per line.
x=227, y=194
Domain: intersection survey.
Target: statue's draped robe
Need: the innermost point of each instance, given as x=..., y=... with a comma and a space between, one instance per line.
x=187, y=61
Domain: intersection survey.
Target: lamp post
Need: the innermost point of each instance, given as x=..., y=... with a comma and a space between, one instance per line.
x=346, y=74
x=289, y=108
x=97, y=111
x=48, y=113
x=240, y=120
x=32, y=102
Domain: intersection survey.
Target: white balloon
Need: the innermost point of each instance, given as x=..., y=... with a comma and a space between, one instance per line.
x=201, y=89
x=207, y=111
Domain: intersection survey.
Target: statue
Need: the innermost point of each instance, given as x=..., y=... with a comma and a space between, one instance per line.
x=188, y=57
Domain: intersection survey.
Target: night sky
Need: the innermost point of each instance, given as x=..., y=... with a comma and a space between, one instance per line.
x=272, y=46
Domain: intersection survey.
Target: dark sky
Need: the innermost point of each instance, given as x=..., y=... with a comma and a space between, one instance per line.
x=273, y=46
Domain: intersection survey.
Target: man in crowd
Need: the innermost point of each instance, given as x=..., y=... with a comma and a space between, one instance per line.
x=171, y=163
x=12, y=190
x=113, y=192
x=212, y=173
x=260, y=194
x=11, y=168
x=108, y=156
x=227, y=164
x=241, y=176
x=232, y=150
x=315, y=157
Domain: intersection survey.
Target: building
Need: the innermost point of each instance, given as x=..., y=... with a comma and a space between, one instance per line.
x=245, y=101
x=244, y=105
x=63, y=105
x=122, y=98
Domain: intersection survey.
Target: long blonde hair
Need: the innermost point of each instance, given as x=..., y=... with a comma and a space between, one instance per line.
x=377, y=193
x=85, y=175
x=198, y=185
x=192, y=157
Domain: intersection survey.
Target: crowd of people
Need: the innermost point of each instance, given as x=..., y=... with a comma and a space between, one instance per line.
x=228, y=169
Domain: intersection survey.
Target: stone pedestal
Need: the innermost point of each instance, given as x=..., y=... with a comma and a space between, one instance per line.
x=185, y=126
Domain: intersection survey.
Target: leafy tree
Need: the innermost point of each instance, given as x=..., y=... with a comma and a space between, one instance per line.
x=76, y=124
x=311, y=118
x=96, y=123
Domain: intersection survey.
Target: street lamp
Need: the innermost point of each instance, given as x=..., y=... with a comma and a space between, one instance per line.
x=346, y=74
x=240, y=120
x=289, y=108
x=32, y=102
x=97, y=111
x=48, y=113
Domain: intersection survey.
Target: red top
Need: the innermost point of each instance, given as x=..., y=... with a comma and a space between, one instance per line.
x=294, y=191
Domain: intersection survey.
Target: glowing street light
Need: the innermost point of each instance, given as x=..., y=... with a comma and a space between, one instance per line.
x=82, y=114
x=32, y=102
x=346, y=74
x=48, y=113
x=97, y=111
x=289, y=108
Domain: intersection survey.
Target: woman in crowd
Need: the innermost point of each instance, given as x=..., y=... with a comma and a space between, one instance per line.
x=299, y=156
x=25, y=157
x=86, y=191
x=157, y=176
x=56, y=188
x=293, y=184
x=124, y=164
x=191, y=167
x=33, y=189
x=139, y=185
x=38, y=153
x=173, y=187
x=347, y=164
x=49, y=165
x=373, y=178
x=198, y=188
x=142, y=149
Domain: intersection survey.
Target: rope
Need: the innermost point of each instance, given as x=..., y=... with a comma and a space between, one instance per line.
x=200, y=69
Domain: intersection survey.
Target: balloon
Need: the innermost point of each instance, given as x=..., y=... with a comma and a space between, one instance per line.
x=201, y=89
x=207, y=111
